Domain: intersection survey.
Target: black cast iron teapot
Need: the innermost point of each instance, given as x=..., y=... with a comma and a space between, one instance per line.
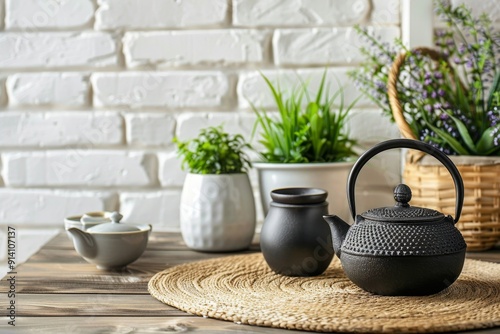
x=400, y=250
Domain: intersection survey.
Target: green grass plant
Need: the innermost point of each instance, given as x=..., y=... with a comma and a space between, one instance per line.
x=306, y=129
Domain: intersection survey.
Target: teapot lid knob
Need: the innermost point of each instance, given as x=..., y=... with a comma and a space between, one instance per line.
x=402, y=195
x=115, y=217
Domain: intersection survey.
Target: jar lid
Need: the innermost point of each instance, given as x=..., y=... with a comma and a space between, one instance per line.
x=402, y=211
x=299, y=195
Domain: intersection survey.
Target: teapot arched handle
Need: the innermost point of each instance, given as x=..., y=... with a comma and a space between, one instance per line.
x=412, y=144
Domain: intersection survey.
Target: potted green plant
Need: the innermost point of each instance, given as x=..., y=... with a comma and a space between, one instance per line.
x=217, y=209
x=449, y=97
x=306, y=144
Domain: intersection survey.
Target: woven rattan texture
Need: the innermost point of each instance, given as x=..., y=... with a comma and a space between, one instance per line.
x=244, y=290
x=433, y=188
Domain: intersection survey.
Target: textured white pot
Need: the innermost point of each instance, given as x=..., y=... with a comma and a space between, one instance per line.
x=217, y=212
x=329, y=176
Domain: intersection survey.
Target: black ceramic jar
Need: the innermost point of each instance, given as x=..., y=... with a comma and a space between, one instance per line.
x=295, y=240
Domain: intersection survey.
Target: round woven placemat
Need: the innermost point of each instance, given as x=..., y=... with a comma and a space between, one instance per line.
x=244, y=290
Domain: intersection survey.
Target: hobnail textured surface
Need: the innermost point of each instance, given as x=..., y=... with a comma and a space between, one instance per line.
x=401, y=213
x=217, y=212
x=399, y=239
x=402, y=210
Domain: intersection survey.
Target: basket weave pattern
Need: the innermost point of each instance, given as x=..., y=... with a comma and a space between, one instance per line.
x=433, y=187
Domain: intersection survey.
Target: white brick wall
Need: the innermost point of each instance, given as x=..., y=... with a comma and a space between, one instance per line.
x=92, y=93
x=36, y=89
x=79, y=167
x=160, y=89
x=44, y=207
x=158, y=14
x=57, y=50
x=51, y=129
x=299, y=12
x=149, y=129
x=182, y=48
x=37, y=15
x=323, y=45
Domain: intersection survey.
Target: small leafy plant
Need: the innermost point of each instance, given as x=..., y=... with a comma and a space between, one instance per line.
x=314, y=133
x=214, y=152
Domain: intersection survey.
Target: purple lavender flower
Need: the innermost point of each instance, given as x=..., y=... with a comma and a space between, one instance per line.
x=496, y=136
x=461, y=49
x=438, y=75
x=428, y=87
x=494, y=116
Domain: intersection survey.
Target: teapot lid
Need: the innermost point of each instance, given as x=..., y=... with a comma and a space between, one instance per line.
x=114, y=226
x=402, y=211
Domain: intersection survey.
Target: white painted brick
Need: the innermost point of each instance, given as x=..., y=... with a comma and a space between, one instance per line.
x=150, y=129
x=1, y=168
x=67, y=89
x=52, y=129
x=44, y=14
x=3, y=91
x=385, y=12
x=160, y=89
x=299, y=12
x=79, y=167
x=160, y=209
x=2, y=14
x=170, y=171
x=370, y=126
x=181, y=48
x=57, y=49
x=490, y=7
x=189, y=124
x=252, y=89
x=136, y=14
x=323, y=45
x=50, y=207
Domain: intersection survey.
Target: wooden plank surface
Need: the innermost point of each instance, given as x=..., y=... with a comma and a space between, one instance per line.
x=57, y=305
x=175, y=324
x=58, y=292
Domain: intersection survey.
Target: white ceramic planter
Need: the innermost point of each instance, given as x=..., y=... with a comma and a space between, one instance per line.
x=329, y=176
x=217, y=212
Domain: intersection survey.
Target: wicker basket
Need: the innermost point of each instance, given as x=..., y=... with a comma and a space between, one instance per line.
x=433, y=187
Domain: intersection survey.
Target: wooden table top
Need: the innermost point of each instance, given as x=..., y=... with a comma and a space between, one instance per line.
x=58, y=292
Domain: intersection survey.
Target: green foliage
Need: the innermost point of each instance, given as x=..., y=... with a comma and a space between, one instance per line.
x=214, y=152
x=315, y=133
x=454, y=105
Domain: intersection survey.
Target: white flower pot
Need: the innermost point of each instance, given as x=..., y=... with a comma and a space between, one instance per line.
x=329, y=176
x=217, y=212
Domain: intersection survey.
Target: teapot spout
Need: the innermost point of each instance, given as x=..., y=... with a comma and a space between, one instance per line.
x=84, y=242
x=339, y=230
